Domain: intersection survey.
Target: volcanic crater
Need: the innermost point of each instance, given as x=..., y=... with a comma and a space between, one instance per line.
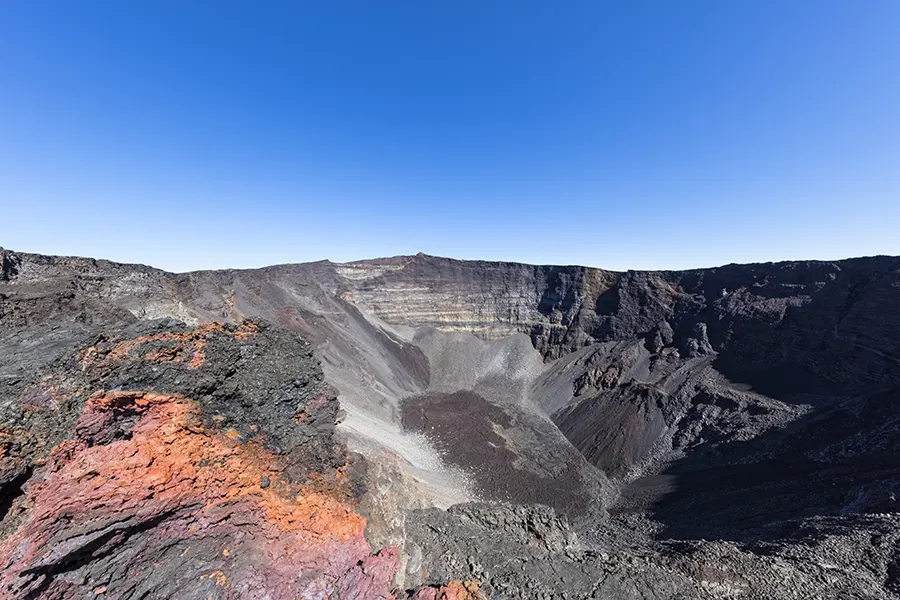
x=422, y=427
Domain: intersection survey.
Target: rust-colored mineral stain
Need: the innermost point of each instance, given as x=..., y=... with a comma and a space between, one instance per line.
x=185, y=347
x=455, y=590
x=169, y=455
x=220, y=578
x=173, y=460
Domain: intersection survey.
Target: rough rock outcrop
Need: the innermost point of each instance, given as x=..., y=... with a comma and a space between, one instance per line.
x=202, y=463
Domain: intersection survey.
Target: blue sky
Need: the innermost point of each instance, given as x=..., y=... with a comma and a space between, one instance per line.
x=626, y=134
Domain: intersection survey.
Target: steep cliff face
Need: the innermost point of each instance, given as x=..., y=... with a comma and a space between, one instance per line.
x=752, y=404
x=799, y=314
x=489, y=299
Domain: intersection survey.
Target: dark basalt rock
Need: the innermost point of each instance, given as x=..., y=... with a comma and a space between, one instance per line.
x=9, y=265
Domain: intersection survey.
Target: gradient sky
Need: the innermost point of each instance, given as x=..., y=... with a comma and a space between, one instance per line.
x=625, y=134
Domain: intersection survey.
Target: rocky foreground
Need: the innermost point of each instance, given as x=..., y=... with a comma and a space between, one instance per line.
x=425, y=428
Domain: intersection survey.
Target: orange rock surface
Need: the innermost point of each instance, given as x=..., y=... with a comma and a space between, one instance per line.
x=186, y=347
x=455, y=590
x=168, y=466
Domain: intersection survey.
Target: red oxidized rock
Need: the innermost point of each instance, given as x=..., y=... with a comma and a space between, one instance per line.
x=146, y=496
x=455, y=590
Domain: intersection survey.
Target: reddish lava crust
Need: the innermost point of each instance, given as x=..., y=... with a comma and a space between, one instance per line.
x=455, y=590
x=192, y=485
x=184, y=347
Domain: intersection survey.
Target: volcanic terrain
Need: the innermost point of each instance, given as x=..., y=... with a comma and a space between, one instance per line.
x=422, y=427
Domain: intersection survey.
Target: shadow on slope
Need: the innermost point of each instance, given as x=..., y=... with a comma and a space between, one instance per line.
x=842, y=459
x=784, y=381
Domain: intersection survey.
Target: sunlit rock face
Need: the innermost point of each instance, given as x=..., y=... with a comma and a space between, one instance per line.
x=489, y=299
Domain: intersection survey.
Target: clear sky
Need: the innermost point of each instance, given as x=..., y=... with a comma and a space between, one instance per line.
x=626, y=134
